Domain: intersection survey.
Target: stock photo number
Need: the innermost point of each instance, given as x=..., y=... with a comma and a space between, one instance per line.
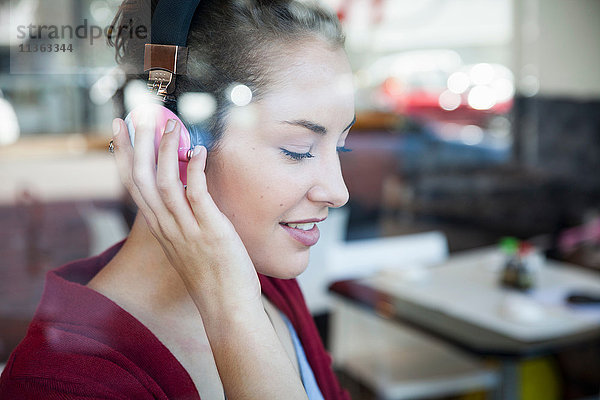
x=45, y=48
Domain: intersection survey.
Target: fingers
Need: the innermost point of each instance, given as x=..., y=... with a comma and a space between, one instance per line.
x=167, y=171
x=158, y=191
x=123, y=152
x=204, y=208
x=144, y=162
x=169, y=185
x=161, y=188
x=137, y=171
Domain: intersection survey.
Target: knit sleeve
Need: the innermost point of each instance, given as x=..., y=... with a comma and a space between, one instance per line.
x=77, y=378
x=50, y=389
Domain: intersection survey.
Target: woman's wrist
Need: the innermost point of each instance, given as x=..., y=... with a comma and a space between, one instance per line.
x=226, y=322
x=242, y=338
x=226, y=303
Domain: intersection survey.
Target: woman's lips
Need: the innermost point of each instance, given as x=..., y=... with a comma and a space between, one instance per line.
x=307, y=238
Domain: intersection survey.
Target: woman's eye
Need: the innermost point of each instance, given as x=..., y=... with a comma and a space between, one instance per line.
x=300, y=156
x=296, y=156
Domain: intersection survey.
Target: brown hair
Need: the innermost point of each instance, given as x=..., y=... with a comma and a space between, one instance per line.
x=233, y=41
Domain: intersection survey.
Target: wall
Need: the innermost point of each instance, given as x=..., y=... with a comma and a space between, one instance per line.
x=556, y=52
x=558, y=42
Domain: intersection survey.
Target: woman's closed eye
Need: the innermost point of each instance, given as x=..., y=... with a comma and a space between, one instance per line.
x=296, y=156
x=300, y=156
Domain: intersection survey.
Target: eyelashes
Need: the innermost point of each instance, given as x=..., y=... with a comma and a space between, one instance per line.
x=296, y=156
x=300, y=156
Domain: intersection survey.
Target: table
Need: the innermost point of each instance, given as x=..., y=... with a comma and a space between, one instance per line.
x=461, y=303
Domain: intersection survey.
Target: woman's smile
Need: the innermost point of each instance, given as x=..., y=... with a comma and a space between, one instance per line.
x=308, y=237
x=306, y=232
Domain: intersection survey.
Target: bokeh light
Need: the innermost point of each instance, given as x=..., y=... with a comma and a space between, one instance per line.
x=196, y=107
x=103, y=90
x=136, y=93
x=503, y=89
x=241, y=95
x=449, y=101
x=471, y=135
x=458, y=82
x=481, y=98
x=10, y=125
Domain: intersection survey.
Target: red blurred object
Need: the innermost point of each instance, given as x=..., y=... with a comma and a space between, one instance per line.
x=425, y=104
x=525, y=248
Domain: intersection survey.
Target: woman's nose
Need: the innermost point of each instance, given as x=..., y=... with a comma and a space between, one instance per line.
x=329, y=186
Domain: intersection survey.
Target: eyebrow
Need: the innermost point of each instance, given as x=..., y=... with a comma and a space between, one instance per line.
x=314, y=127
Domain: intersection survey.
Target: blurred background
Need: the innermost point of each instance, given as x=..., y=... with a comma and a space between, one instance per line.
x=476, y=120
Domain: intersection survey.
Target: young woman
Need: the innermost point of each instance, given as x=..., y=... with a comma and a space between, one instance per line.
x=200, y=300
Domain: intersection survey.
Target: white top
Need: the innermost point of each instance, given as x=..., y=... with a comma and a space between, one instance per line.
x=306, y=373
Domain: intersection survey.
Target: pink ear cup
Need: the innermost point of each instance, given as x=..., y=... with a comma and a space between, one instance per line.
x=161, y=115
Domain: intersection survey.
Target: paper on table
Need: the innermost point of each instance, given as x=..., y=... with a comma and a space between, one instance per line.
x=556, y=297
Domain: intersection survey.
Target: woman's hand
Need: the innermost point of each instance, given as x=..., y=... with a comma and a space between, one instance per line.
x=197, y=238
x=203, y=246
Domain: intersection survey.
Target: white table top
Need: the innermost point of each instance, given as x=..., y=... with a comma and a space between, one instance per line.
x=466, y=287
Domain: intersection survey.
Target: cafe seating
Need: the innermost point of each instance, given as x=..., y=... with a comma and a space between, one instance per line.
x=390, y=359
x=396, y=362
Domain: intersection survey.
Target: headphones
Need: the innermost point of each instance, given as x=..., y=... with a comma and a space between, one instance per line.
x=165, y=58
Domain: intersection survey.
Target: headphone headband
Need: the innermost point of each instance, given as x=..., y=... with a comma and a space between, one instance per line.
x=171, y=21
x=166, y=55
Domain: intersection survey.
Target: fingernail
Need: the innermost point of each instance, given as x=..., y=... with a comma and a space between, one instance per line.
x=170, y=126
x=116, y=127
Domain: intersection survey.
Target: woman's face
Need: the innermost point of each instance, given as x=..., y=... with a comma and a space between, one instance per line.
x=278, y=160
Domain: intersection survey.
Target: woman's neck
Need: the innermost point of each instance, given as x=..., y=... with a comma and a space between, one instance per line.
x=140, y=273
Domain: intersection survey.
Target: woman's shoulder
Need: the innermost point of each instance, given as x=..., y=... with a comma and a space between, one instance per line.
x=69, y=358
x=55, y=359
x=81, y=343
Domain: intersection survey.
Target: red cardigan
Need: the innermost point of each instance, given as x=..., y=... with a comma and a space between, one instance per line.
x=82, y=345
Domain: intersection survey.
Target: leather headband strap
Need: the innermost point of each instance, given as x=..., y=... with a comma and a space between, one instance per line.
x=166, y=55
x=169, y=58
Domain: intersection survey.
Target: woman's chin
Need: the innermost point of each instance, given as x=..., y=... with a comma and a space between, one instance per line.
x=288, y=268
x=290, y=272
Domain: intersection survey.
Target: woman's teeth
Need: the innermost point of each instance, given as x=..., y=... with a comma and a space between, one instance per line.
x=304, y=227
